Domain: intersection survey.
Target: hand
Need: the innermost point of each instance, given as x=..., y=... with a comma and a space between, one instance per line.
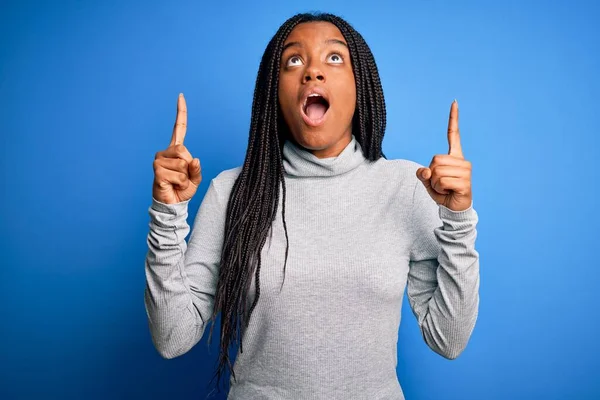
x=176, y=174
x=448, y=178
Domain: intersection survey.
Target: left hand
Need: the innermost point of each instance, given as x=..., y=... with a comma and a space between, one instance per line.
x=448, y=178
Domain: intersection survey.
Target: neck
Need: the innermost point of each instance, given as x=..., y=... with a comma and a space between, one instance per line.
x=301, y=162
x=333, y=150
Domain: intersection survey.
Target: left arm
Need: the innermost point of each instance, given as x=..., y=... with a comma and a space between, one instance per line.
x=443, y=278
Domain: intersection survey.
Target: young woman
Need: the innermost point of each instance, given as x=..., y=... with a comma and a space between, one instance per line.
x=307, y=248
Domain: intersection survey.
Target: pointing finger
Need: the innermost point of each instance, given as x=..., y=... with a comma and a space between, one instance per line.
x=180, y=127
x=454, y=147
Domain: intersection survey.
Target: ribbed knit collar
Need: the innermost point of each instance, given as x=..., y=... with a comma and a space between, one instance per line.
x=299, y=162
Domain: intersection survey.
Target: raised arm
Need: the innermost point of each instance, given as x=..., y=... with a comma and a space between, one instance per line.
x=443, y=280
x=181, y=278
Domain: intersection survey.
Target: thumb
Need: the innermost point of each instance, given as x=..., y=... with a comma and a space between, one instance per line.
x=195, y=170
x=423, y=174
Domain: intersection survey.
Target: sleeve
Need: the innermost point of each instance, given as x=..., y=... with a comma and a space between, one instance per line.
x=181, y=278
x=443, y=278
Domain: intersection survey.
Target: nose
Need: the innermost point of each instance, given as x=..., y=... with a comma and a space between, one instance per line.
x=313, y=73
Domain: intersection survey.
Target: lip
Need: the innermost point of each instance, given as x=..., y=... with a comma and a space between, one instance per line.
x=307, y=92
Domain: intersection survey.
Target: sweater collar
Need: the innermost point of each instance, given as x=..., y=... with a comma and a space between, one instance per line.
x=299, y=162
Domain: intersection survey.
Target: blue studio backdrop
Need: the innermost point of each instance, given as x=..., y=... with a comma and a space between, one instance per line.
x=88, y=94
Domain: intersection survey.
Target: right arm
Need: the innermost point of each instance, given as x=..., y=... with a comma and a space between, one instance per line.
x=181, y=278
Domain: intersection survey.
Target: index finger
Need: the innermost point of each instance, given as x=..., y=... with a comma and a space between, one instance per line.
x=180, y=127
x=454, y=147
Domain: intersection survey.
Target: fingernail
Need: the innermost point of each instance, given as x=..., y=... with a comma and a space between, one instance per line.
x=181, y=94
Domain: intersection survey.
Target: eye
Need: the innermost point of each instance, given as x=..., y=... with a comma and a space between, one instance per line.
x=335, y=58
x=293, y=61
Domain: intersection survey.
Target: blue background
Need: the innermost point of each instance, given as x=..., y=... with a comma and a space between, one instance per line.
x=88, y=95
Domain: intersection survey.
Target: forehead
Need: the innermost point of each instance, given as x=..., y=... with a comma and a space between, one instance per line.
x=318, y=31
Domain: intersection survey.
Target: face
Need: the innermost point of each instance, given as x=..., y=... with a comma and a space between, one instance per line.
x=317, y=91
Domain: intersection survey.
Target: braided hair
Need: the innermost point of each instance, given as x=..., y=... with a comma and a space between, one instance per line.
x=255, y=194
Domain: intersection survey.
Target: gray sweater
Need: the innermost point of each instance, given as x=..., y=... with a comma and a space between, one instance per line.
x=360, y=233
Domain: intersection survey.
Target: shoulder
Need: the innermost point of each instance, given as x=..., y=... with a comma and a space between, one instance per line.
x=228, y=176
x=401, y=171
x=223, y=182
x=399, y=165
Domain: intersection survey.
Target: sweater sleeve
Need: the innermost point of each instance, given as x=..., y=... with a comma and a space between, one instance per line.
x=443, y=278
x=181, y=278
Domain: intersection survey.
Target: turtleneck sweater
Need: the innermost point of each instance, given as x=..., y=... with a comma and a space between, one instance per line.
x=361, y=234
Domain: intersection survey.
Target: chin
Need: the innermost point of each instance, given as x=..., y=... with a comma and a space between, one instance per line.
x=313, y=141
x=321, y=139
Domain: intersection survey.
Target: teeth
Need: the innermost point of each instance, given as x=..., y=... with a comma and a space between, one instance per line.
x=311, y=95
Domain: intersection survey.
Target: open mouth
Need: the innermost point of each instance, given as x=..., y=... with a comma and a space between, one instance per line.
x=314, y=109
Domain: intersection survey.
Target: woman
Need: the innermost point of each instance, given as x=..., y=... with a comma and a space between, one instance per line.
x=306, y=249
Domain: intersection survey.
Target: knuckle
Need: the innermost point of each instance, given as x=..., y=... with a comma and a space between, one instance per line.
x=182, y=164
x=179, y=148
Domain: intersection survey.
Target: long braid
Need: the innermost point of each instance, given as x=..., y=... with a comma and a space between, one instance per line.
x=255, y=195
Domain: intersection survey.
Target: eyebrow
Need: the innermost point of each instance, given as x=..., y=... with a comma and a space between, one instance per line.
x=328, y=41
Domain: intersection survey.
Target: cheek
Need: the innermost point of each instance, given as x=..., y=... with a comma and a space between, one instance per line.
x=285, y=98
x=349, y=91
x=352, y=97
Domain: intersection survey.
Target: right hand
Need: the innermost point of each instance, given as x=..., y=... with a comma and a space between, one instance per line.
x=177, y=174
